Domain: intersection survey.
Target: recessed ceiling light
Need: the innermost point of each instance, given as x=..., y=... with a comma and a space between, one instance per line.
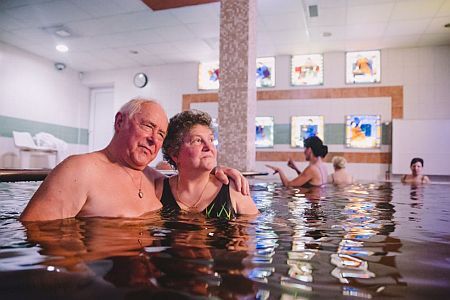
x=62, y=48
x=447, y=25
x=134, y=52
x=326, y=34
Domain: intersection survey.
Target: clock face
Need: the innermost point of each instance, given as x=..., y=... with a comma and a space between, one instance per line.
x=140, y=80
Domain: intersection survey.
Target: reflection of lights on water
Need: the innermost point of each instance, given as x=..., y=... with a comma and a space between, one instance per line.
x=288, y=282
x=300, y=270
x=52, y=269
x=355, y=292
x=302, y=255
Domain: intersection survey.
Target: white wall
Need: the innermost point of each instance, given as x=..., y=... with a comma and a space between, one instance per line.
x=32, y=89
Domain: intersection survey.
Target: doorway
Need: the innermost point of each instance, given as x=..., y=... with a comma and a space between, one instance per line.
x=101, y=120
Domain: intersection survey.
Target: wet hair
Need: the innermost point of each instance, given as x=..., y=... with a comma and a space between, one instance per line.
x=416, y=159
x=134, y=106
x=339, y=162
x=316, y=145
x=179, y=126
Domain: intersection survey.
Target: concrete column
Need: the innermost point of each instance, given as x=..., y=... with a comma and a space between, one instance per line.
x=237, y=92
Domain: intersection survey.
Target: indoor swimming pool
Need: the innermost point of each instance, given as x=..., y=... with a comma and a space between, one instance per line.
x=369, y=241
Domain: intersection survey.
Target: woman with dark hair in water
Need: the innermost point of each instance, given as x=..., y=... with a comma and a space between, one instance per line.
x=416, y=172
x=315, y=173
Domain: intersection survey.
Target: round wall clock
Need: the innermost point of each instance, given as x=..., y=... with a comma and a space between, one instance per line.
x=140, y=80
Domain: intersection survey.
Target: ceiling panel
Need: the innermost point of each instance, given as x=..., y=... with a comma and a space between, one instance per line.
x=105, y=31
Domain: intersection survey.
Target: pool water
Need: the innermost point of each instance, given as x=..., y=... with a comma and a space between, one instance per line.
x=364, y=241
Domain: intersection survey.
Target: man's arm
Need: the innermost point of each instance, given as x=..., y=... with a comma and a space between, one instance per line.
x=62, y=194
x=240, y=181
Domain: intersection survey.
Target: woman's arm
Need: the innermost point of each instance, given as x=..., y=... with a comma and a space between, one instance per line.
x=243, y=205
x=300, y=180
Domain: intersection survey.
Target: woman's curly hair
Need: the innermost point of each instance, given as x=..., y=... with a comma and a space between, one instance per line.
x=179, y=126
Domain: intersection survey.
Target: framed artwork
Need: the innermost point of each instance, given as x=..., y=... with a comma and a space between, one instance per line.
x=303, y=127
x=265, y=72
x=363, y=67
x=307, y=69
x=208, y=76
x=363, y=131
x=264, y=132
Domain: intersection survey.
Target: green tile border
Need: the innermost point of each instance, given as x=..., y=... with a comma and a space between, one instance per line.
x=71, y=135
x=334, y=134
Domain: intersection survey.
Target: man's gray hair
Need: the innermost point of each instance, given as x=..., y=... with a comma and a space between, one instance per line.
x=134, y=106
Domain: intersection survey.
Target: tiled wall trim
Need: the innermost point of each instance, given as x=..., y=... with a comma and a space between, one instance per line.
x=334, y=133
x=70, y=135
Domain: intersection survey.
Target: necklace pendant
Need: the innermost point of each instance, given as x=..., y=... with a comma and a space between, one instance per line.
x=141, y=194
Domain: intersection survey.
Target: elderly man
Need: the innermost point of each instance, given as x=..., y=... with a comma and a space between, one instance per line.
x=115, y=181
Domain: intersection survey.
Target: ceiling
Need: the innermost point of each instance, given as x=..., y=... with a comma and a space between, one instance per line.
x=112, y=34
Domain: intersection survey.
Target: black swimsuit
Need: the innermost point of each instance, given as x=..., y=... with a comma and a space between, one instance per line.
x=220, y=207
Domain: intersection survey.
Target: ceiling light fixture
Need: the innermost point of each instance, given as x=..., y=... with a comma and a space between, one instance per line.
x=62, y=48
x=447, y=25
x=134, y=52
x=326, y=34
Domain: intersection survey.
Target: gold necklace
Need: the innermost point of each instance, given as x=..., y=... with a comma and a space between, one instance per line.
x=199, y=199
x=140, y=193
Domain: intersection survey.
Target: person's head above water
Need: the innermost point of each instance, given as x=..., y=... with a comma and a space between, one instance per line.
x=139, y=130
x=339, y=162
x=317, y=146
x=416, y=160
x=179, y=127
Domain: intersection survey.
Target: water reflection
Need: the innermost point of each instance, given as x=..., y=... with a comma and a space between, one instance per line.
x=318, y=243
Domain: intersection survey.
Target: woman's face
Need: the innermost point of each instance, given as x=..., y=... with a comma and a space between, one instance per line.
x=416, y=168
x=197, y=150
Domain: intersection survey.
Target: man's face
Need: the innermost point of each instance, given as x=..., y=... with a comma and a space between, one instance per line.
x=416, y=168
x=144, y=134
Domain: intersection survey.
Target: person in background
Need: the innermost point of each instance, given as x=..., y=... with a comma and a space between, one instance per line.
x=340, y=175
x=416, y=175
x=115, y=181
x=315, y=173
x=189, y=147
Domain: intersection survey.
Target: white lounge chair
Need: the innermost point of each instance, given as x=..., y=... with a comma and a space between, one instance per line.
x=27, y=147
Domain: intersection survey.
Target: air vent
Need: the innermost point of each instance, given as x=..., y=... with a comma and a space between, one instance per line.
x=313, y=11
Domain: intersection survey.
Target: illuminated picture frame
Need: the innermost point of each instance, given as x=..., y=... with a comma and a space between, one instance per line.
x=363, y=131
x=208, y=76
x=265, y=72
x=264, y=132
x=303, y=127
x=363, y=67
x=307, y=69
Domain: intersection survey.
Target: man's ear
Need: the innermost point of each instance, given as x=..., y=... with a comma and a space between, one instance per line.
x=118, y=121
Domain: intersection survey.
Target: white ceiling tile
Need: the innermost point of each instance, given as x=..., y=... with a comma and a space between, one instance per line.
x=101, y=8
x=192, y=46
x=159, y=48
x=131, y=5
x=205, y=30
x=329, y=17
x=399, y=41
x=197, y=13
x=17, y=3
x=434, y=39
x=404, y=10
x=289, y=37
x=366, y=31
x=283, y=22
x=8, y=22
x=437, y=25
x=35, y=36
x=48, y=13
x=407, y=27
x=90, y=27
x=351, y=3
x=273, y=7
x=337, y=33
x=369, y=13
x=444, y=11
x=175, y=33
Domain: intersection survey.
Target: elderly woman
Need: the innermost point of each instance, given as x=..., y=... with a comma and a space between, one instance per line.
x=416, y=176
x=190, y=149
x=340, y=175
x=315, y=173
